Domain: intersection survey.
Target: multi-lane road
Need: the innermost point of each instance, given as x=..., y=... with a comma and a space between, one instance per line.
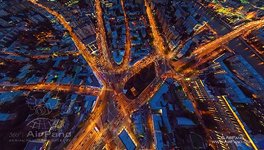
x=52, y=87
x=213, y=49
x=238, y=45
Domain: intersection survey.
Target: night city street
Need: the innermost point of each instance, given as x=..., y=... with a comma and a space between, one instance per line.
x=131, y=75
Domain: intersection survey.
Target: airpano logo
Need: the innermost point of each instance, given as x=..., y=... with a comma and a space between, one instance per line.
x=46, y=134
x=40, y=123
x=230, y=139
x=37, y=135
